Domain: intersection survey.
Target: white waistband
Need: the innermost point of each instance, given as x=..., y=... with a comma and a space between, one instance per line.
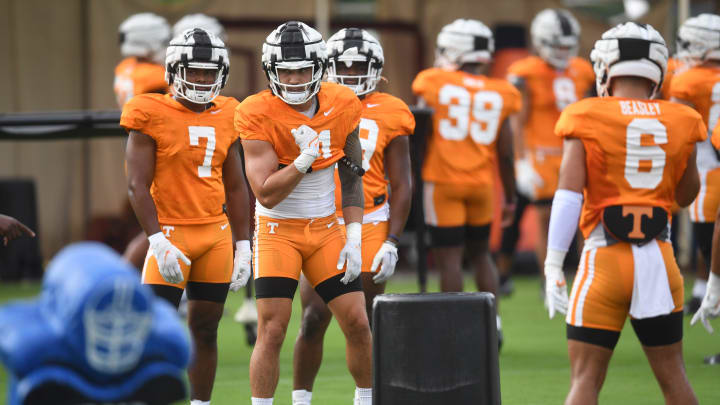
x=381, y=214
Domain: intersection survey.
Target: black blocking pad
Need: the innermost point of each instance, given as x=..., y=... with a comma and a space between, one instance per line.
x=435, y=349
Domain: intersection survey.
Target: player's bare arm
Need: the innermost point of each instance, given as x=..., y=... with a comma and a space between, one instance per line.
x=518, y=120
x=689, y=186
x=397, y=166
x=353, y=200
x=572, y=169
x=506, y=166
x=140, y=158
x=236, y=194
x=269, y=184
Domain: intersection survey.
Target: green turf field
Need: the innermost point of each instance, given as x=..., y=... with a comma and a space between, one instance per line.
x=533, y=362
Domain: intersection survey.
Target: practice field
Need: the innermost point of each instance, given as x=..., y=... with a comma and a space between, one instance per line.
x=534, y=366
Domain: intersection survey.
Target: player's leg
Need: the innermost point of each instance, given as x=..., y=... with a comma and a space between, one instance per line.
x=277, y=262
x=345, y=301
x=508, y=245
x=542, y=208
x=207, y=290
x=136, y=250
x=479, y=206
x=588, y=367
x=445, y=216
x=661, y=337
x=597, y=310
x=702, y=233
x=308, y=352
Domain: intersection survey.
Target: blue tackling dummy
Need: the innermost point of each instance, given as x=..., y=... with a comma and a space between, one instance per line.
x=95, y=335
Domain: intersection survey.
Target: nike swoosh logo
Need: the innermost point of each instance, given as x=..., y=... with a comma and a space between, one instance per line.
x=372, y=105
x=215, y=112
x=329, y=111
x=330, y=224
x=223, y=226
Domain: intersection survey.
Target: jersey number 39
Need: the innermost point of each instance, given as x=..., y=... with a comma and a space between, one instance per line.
x=485, y=107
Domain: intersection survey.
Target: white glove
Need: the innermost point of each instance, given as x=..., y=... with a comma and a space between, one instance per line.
x=167, y=255
x=241, y=265
x=307, y=140
x=351, y=253
x=527, y=179
x=556, y=293
x=387, y=255
x=710, y=306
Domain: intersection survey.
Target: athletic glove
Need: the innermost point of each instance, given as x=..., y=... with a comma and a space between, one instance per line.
x=556, y=293
x=387, y=255
x=710, y=305
x=241, y=265
x=167, y=255
x=307, y=140
x=351, y=253
x=527, y=179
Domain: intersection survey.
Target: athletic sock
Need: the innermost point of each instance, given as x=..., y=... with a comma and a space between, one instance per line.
x=261, y=401
x=199, y=402
x=301, y=397
x=363, y=396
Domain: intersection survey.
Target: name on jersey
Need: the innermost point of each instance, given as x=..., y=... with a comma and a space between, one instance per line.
x=472, y=82
x=632, y=107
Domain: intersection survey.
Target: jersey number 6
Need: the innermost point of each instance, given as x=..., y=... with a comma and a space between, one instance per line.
x=637, y=174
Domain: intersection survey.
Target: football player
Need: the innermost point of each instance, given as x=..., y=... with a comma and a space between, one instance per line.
x=293, y=134
x=548, y=81
x=471, y=133
x=143, y=40
x=184, y=163
x=699, y=87
x=710, y=304
x=356, y=61
x=628, y=157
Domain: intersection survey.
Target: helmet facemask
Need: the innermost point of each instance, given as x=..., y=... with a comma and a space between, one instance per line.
x=295, y=93
x=196, y=92
x=558, y=53
x=346, y=72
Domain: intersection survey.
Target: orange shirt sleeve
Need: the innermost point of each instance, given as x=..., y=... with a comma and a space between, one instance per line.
x=421, y=84
x=402, y=121
x=135, y=115
x=681, y=86
x=513, y=100
x=247, y=121
x=568, y=123
x=716, y=137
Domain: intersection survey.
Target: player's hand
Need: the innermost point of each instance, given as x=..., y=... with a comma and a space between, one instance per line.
x=555, y=289
x=351, y=253
x=241, y=265
x=307, y=140
x=527, y=179
x=11, y=228
x=710, y=306
x=167, y=256
x=387, y=255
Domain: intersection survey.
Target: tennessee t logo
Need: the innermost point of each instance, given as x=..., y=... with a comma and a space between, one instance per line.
x=637, y=214
x=167, y=229
x=273, y=226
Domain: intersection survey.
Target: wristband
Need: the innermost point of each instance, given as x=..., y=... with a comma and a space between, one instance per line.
x=393, y=238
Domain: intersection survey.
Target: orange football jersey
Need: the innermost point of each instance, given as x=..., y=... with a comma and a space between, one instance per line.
x=190, y=151
x=700, y=85
x=550, y=91
x=635, y=151
x=133, y=77
x=384, y=118
x=673, y=66
x=469, y=112
x=265, y=117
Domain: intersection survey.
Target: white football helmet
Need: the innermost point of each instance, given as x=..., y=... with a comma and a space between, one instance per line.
x=199, y=20
x=464, y=41
x=629, y=49
x=144, y=35
x=555, y=35
x=355, y=45
x=698, y=39
x=294, y=45
x=196, y=49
